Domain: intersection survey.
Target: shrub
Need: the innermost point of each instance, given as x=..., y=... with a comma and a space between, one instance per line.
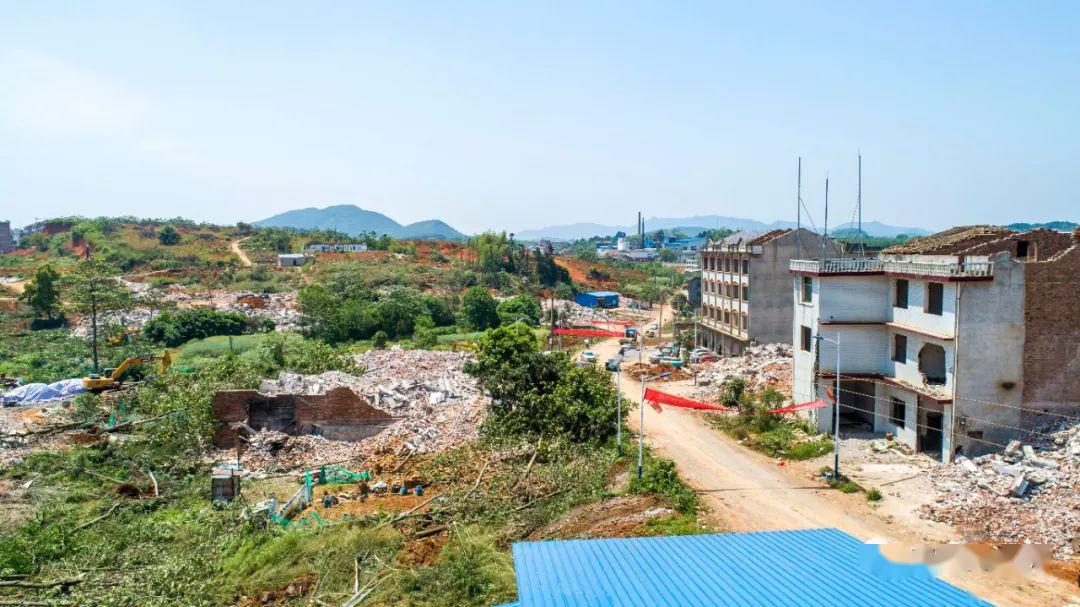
x=522, y=308
x=168, y=235
x=660, y=476
x=174, y=329
x=479, y=309
x=873, y=494
x=379, y=339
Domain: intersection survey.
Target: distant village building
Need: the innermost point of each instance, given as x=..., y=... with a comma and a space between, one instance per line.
x=7, y=241
x=287, y=260
x=746, y=287
x=690, y=261
x=953, y=342
x=336, y=248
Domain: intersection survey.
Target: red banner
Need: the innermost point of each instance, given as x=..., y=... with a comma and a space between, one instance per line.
x=657, y=398
x=588, y=332
x=814, y=404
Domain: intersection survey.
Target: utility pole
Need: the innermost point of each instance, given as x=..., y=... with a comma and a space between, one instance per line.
x=826, y=237
x=618, y=410
x=862, y=248
x=641, y=424
x=836, y=403
x=798, y=209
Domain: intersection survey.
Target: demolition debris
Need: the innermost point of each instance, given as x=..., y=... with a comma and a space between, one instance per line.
x=762, y=366
x=424, y=400
x=1025, y=494
x=572, y=314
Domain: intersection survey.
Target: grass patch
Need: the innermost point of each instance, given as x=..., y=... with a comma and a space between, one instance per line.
x=873, y=494
x=682, y=524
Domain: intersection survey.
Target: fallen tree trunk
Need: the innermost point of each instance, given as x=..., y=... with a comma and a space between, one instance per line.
x=50, y=584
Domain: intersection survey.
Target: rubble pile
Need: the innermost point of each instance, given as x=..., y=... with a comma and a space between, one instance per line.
x=574, y=314
x=762, y=366
x=1027, y=493
x=436, y=406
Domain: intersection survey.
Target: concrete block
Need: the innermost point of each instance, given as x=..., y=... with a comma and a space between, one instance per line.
x=1019, y=487
x=1005, y=469
x=968, y=465
x=1029, y=452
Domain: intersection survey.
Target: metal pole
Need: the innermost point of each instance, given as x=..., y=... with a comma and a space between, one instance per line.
x=836, y=427
x=618, y=411
x=641, y=432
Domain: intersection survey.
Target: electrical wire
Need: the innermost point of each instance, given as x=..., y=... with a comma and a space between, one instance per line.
x=973, y=400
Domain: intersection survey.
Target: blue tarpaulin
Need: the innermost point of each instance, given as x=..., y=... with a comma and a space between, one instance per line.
x=39, y=393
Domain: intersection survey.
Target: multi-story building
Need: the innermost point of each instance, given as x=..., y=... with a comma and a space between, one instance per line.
x=953, y=342
x=7, y=242
x=746, y=287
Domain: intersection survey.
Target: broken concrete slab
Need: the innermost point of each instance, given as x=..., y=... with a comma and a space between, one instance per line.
x=1019, y=486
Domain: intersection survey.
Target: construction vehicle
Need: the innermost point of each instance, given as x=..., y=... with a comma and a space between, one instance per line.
x=112, y=379
x=467, y=346
x=123, y=336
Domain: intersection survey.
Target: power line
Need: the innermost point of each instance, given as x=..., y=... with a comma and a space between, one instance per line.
x=967, y=416
x=973, y=400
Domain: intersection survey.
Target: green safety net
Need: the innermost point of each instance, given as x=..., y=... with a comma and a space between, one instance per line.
x=339, y=475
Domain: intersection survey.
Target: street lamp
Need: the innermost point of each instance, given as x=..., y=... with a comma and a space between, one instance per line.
x=836, y=404
x=641, y=423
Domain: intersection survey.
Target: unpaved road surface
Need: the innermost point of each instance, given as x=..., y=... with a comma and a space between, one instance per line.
x=747, y=491
x=234, y=246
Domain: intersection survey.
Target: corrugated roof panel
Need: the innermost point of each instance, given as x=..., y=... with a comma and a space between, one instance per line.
x=814, y=567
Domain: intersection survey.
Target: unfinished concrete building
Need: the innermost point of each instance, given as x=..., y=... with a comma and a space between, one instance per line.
x=952, y=342
x=746, y=287
x=340, y=414
x=7, y=241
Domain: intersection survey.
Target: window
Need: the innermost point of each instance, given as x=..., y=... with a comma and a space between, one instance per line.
x=746, y=292
x=899, y=351
x=898, y=412
x=806, y=338
x=935, y=295
x=745, y=322
x=1021, y=249
x=901, y=293
x=807, y=289
x=932, y=364
x=727, y=317
x=746, y=266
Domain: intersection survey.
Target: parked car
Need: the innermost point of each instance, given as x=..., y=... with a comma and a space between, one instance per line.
x=588, y=356
x=612, y=364
x=623, y=349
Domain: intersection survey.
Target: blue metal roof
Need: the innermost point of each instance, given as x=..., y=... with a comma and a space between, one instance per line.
x=819, y=567
x=602, y=293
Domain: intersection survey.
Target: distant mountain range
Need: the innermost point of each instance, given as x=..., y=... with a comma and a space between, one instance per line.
x=695, y=224
x=351, y=219
x=1061, y=226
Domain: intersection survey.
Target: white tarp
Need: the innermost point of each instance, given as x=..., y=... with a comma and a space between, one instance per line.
x=39, y=393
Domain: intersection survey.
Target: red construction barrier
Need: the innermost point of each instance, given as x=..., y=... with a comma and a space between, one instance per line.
x=588, y=332
x=657, y=398
x=622, y=323
x=814, y=404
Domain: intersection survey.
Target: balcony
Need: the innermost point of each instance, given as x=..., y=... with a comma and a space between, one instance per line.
x=966, y=270
x=972, y=270
x=836, y=266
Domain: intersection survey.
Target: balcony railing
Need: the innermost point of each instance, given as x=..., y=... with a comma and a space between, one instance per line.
x=971, y=269
x=836, y=266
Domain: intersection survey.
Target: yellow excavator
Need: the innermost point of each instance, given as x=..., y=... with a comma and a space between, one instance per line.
x=124, y=335
x=113, y=378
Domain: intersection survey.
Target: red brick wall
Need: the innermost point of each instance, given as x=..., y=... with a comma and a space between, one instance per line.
x=340, y=409
x=1042, y=244
x=1052, y=332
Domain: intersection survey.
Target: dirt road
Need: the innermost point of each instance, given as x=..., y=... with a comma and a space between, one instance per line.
x=747, y=491
x=234, y=246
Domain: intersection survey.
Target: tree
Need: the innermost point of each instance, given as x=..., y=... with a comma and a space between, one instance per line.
x=42, y=293
x=94, y=289
x=564, y=291
x=524, y=308
x=537, y=393
x=668, y=255
x=479, y=309
x=168, y=235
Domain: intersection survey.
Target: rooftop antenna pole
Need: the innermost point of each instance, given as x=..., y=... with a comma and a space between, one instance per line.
x=826, y=237
x=798, y=208
x=862, y=249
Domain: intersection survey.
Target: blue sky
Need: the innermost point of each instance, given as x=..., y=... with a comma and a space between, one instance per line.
x=512, y=116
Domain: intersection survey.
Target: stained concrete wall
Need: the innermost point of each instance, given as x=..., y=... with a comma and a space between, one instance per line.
x=770, y=305
x=990, y=357
x=340, y=414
